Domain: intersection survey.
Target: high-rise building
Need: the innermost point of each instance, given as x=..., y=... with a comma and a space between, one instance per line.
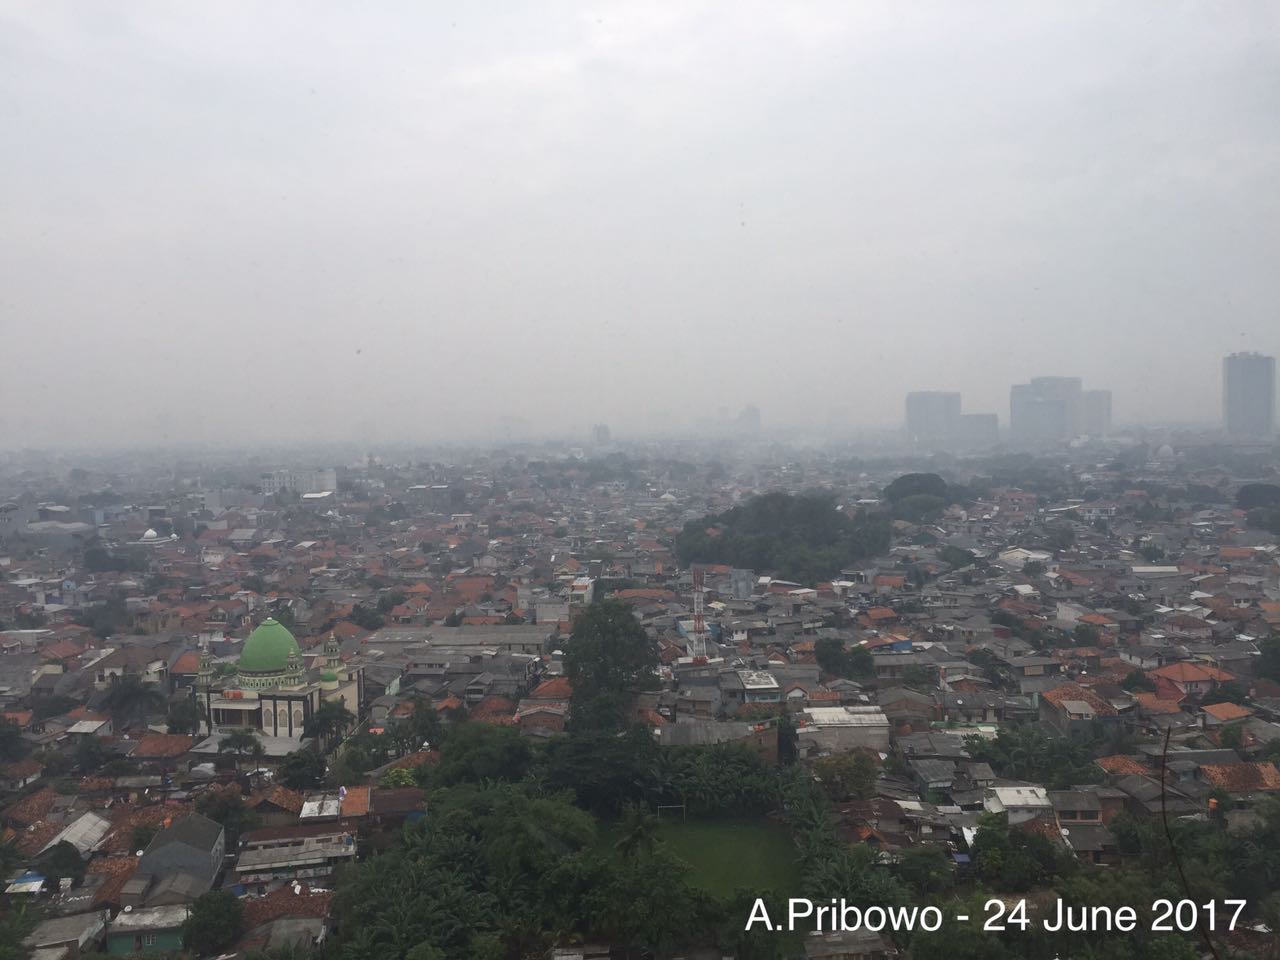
x=1095, y=413
x=933, y=418
x=1046, y=409
x=1249, y=395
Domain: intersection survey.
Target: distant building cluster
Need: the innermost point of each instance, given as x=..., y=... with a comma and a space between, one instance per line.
x=1249, y=395
x=1047, y=410
x=935, y=422
x=1050, y=409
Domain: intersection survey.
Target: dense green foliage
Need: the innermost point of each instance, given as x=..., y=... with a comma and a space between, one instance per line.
x=608, y=657
x=216, y=922
x=1251, y=495
x=1027, y=753
x=507, y=870
x=801, y=538
x=833, y=658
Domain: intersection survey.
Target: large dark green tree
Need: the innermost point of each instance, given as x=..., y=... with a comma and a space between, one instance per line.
x=215, y=922
x=608, y=657
x=803, y=538
x=130, y=698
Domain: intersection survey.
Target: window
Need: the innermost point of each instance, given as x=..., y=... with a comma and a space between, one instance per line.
x=149, y=940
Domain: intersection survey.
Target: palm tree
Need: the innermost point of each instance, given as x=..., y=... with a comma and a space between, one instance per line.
x=241, y=742
x=637, y=829
x=329, y=722
x=130, y=698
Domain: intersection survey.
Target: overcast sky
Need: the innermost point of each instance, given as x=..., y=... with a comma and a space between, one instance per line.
x=262, y=220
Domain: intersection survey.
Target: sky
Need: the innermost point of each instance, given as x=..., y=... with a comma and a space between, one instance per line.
x=244, y=222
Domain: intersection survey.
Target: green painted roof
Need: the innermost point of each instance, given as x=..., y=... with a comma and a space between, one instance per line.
x=268, y=648
x=329, y=675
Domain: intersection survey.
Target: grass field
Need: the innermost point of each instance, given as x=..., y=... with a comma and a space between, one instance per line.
x=727, y=855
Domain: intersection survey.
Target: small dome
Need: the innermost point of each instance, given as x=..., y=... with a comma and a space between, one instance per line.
x=1165, y=452
x=329, y=677
x=151, y=534
x=268, y=649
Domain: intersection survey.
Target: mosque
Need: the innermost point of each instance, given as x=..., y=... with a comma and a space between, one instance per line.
x=272, y=692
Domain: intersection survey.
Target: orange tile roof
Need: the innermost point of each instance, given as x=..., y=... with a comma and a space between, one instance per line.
x=117, y=870
x=1227, y=712
x=557, y=688
x=1242, y=777
x=283, y=902
x=356, y=802
x=1187, y=672
x=163, y=745
x=1154, y=703
x=1121, y=765
x=30, y=809
x=282, y=797
x=1073, y=691
x=494, y=709
x=34, y=839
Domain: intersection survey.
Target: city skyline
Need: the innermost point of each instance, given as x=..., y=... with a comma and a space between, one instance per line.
x=214, y=234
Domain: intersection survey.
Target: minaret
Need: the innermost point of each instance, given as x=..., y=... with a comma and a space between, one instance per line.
x=204, y=681
x=293, y=668
x=332, y=661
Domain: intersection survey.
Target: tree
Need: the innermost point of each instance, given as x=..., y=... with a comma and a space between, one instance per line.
x=830, y=654
x=225, y=805
x=1086, y=634
x=916, y=485
x=1232, y=737
x=397, y=777
x=477, y=752
x=243, y=742
x=130, y=699
x=390, y=600
x=1137, y=680
x=12, y=746
x=1229, y=692
x=142, y=835
x=329, y=723
x=925, y=869
x=1253, y=495
x=215, y=922
x=90, y=754
x=302, y=770
x=919, y=508
x=637, y=831
x=805, y=538
x=920, y=676
x=608, y=655
x=847, y=776
x=185, y=717
x=955, y=557
x=366, y=618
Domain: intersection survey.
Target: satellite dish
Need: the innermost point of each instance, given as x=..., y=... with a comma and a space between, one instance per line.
x=128, y=909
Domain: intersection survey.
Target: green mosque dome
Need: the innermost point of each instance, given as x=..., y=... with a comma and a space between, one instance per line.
x=329, y=676
x=268, y=649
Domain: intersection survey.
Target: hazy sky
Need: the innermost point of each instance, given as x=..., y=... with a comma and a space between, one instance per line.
x=259, y=220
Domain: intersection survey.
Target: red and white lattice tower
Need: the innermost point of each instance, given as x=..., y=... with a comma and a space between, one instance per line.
x=698, y=639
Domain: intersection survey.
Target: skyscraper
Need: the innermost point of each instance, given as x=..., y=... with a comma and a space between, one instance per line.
x=933, y=418
x=1249, y=395
x=1046, y=409
x=1095, y=413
